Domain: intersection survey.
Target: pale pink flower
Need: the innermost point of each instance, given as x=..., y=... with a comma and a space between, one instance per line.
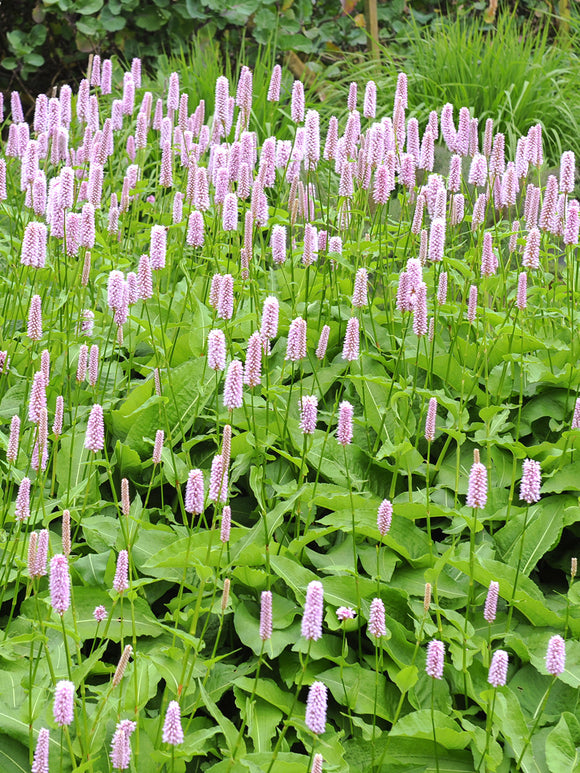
x=556, y=656
x=216, y=350
x=226, y=523
x=490, y=609
x=531, y=481
x=384, y=517
x=218, y=481
x=377, y=626
x=308, y=406
x=266, y=615
x=313, y=611
x=323, y=342
x=35, y=319
x=22, y=504
x=350, y=349
x=95, y=434
x=345, y=613
x=498, y=669
x=477, y=488
x=41, y=758
x=63, y=707
x=121, y=580
x=193, y=499
x=435, y=655
x=233, y=387
x=59, y=584
x=296, y=344
x=345, y=431
x=430, y=421
x=316, y=708
x=172, y=730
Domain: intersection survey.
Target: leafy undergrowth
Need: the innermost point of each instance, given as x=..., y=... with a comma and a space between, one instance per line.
x=166, y=291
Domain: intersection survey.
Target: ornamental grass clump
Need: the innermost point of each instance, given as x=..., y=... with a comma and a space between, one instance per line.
x=285, y=404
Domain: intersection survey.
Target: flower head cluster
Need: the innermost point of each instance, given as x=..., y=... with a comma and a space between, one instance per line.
x=498, y=669
x=477, y=488
x=435, y=656
x=316, y=708
x=313, y=609
x=172, y=730
x=531, y=481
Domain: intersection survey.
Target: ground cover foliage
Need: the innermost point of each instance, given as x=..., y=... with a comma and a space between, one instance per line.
x=167, y=286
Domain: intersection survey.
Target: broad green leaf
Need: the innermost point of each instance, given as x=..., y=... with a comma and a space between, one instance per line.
x=563, y=745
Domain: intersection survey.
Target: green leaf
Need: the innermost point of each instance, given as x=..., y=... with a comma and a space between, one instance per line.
x=226, y=726
x=406, y=678
x=88, y=7
x=355, y=688
x=543, y=530
x=563, y=745
x=418, y=725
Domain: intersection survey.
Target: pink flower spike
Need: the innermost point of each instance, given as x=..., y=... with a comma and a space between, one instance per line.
x=121, y=581
x=58, y=416
x=556, y=656
x=172, y=730
x=377, y=627
x=13, y=440
x=275, y=83
x=430, y=421
x=158, y=446
x=158, y=247
x=308, y=406
x=34, y=331
x=322, y=342
x=233, y=386
x=63, y=708
x=344, y=432
x=194, y=495
x=531, y=481
x=253, y=368
x=576, y=417
x=218, y=481
x=59, y=584
x=384, y=517
x=316, y=708
x=296, y=345
x=350, y=349
x=121, y=743
x=100, y=613
x=360, y=296
x=370, y=100
x=37, y=397
x=498, y=669
x=22, y=505
x=490, y=609
x=317, y=761
x=226, y=524
x=266, y=615
x=216, y=350
x=472, y=304
x=435, y=655
x=521, y=298
x=313, y=611
x=477, y=488
x=225, y=303
x=270, y=313
x=297, y=105
x=95, y=434
x=40, y=762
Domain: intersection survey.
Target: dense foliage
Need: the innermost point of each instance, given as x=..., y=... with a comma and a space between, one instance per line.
x=369, y=367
